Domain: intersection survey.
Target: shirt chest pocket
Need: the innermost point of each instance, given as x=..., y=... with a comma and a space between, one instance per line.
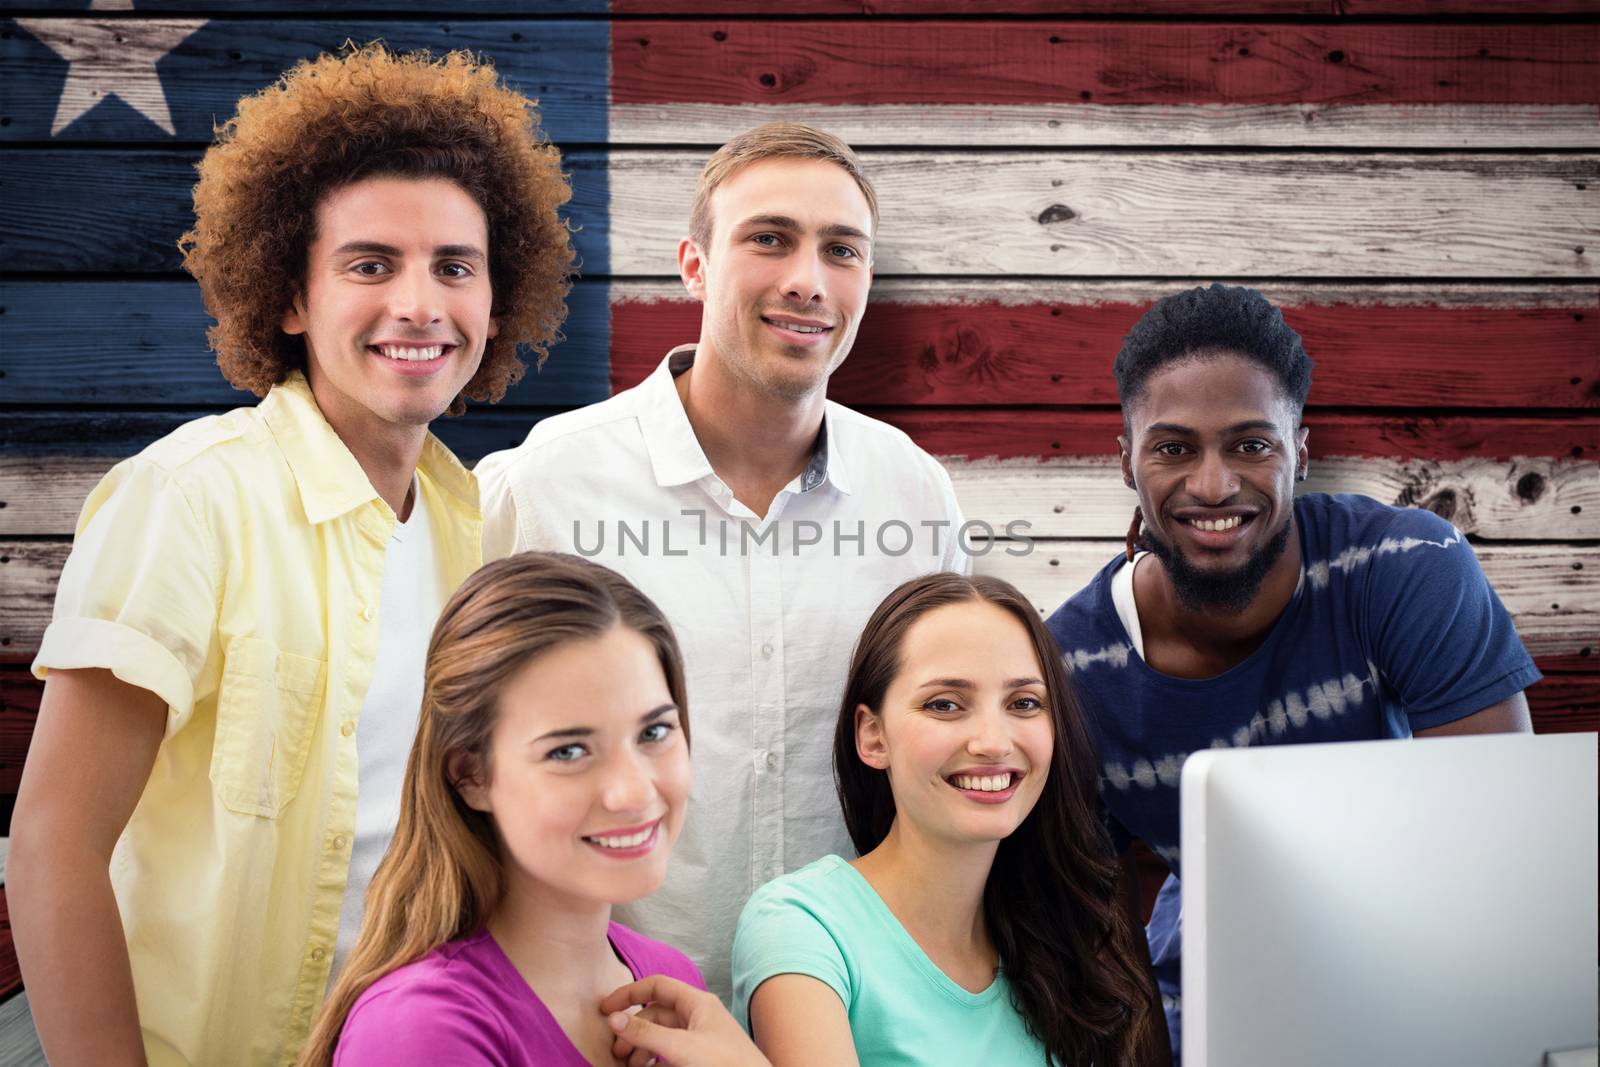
x=267, y=712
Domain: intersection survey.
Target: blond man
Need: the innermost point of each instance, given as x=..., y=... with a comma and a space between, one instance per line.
x=765, y=519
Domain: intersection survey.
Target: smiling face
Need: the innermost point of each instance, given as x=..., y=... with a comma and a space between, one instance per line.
x=1213, y=449
x=395, y=308
x=588, y=771
x=965, y=729
x=785, y=279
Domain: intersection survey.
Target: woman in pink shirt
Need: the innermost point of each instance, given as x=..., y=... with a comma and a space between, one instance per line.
x=548, y=782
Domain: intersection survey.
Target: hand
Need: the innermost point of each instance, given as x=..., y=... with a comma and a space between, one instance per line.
x=681, y=1025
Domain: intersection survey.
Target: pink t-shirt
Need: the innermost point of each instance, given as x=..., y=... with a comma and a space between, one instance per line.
x=464, y=1003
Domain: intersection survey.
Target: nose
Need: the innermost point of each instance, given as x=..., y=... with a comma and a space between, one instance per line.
x=414, y=297
x=991, y=736
x=628, y=785
x=1214, y=481
x=802, y=279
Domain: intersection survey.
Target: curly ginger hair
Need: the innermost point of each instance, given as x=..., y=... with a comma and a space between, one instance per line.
x=372, y=113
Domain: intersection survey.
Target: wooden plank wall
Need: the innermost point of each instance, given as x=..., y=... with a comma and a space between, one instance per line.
x=1415, y=181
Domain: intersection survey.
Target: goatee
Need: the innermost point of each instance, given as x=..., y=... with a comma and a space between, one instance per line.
x=1224, y=592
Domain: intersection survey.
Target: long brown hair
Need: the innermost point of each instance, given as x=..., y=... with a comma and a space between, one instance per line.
x=442, y=876
x=1050, y=902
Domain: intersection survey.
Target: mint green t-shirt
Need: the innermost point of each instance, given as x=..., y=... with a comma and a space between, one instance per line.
x=826, y=921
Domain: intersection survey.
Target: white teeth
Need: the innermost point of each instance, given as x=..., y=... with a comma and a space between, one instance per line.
x=984, y=783
x=1216, y=525
x=623, y=841
x=798, y=328
x=412, y=353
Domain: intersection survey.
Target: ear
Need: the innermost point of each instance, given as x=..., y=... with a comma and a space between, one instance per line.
x=692, y=268
x=294, y=319
x=463, y=772
x=1127, y=461
x=870, y=743
x=1302, y=455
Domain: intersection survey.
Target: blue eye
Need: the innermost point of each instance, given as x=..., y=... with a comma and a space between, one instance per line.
x=848, y=252
x=566, y=753
x=655, y=732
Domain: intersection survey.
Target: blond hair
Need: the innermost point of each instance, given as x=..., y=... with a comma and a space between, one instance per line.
x=443, y=874
x=774, y=140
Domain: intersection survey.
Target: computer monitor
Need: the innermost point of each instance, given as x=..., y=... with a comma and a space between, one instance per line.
x=1390, y=902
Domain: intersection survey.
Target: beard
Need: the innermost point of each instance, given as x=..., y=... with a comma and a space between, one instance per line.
x=1227, y=592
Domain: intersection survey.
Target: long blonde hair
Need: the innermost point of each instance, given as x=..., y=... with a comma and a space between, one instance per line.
x=442, y=876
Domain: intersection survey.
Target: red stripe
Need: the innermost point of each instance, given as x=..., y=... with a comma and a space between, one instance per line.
x=1165, y=8
x=1032, y=433
x=1386, y=356
x=1102, y=63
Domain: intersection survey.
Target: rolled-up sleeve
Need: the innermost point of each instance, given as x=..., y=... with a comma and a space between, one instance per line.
x=138, y=595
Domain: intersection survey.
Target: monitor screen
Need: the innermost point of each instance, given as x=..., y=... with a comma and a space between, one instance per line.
x=1390, y=902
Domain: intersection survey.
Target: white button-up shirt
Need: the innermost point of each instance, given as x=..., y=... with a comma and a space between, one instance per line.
x=766, y=609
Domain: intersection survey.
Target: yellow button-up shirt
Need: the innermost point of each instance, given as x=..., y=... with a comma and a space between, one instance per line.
x=233, y=568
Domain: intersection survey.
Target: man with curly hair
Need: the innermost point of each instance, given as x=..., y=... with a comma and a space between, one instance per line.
x=1242, y=615
x=233, y=671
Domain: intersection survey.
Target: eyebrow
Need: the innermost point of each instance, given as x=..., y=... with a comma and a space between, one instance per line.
x=1238, y=427
x=378, y=248
x=784, y=222
x=589, y=731
x=963, y=683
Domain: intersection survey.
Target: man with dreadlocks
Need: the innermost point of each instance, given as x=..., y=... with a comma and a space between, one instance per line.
x=1242, y=615
x=233, y=671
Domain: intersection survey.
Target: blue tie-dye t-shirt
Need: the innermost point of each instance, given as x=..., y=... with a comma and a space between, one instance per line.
x=1392, y=629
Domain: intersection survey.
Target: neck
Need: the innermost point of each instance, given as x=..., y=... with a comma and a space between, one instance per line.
x=935, y=888
x=1216, y=632
x=387, y=452
x=756, y=441
x=557, y=943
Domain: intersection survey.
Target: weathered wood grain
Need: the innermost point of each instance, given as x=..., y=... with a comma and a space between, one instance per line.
x=1549, y=589
x=1464, y=127
x=1168, y=8
x=1013, y=62
x=561, y=63
x=143, y=341
x=1194, y=215
x=924, y=342
x=1077, y=497
x=953, y=342
x=979, y=433
x=1096, y=213
x=126, y=208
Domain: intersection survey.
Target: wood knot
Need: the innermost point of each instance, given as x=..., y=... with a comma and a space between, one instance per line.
x=1056, y=213
x=1442, y=504
x=1530, y=487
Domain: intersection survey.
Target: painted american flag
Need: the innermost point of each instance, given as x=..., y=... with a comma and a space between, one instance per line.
x=1415, y=181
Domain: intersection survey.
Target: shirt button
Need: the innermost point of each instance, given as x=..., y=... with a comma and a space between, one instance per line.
x=318, y=953
x=766, y=650
x=338, y=843
x=772, y=759
x=366, y=613
x=347, y=728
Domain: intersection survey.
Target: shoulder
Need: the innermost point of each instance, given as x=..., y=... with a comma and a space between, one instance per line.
x=870, y=443
x=822, y=890
x=1086, y=627
x=561, y=434
x=647, y=956
x=1347, y=534
x=424, y=1011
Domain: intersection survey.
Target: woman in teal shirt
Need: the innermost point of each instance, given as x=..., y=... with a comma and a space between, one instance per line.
x=978, y=924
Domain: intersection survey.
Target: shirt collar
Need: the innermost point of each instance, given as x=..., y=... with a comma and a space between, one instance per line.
x=330, y=481
x=675, y=453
